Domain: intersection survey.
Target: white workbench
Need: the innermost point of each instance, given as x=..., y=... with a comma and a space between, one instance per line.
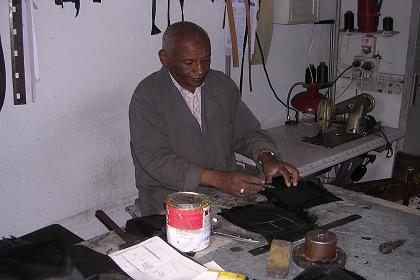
x=310, y=158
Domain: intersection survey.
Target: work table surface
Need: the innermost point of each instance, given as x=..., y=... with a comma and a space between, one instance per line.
x=381, y=221
x=310, y=158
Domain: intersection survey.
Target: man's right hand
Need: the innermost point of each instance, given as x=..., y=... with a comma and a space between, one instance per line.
x=232, y=182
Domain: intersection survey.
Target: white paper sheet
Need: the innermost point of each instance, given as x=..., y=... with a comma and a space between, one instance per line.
x=155, y=259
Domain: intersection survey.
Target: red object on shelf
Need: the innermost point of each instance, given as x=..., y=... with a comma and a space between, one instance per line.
x=367, y=15
x=307, y=101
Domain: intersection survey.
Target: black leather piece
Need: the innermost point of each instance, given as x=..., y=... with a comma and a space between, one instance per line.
x=270, y=221
x=91, y=263
x=51, y=253
x=55, y=231
x=147, y=226
x=327, y=271
x=37, y=261
x=305, y=195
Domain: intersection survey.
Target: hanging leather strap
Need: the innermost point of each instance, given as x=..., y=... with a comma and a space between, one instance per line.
x=168, y=13
x=155, y=29
x=2, y=76
x=233, y=38
x=181, y=3
x=248, y=29
x=241, y=78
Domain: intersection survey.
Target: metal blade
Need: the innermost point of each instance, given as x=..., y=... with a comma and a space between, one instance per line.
x=234, y=235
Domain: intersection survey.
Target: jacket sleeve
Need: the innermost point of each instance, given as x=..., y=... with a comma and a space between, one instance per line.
x=250, y=139
x=151, y=149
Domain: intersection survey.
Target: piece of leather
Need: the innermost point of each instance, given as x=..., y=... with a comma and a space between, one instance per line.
x=327, y=271
x=37, y=261
x=305, y=195
x=270, y=221
x=147, y=226
x=51, y=253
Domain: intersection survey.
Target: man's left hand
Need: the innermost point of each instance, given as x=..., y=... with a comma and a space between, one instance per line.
x=274, y=167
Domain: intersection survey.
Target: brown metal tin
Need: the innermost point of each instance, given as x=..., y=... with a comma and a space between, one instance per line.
x=320, y=245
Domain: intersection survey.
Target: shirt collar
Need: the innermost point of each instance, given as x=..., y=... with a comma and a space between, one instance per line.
x=182, y=89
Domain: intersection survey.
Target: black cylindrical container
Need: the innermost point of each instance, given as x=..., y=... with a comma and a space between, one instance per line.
x=349, y=21
x=322, y=73
x=310, y=74
x=388, y=24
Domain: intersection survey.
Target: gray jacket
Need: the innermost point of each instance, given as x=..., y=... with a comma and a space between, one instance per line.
x=168, y=148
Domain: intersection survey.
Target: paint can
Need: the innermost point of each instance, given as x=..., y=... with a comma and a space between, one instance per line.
x=188, y=221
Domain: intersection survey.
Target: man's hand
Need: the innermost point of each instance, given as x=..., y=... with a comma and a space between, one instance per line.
x=274, y=167
x=232, y=182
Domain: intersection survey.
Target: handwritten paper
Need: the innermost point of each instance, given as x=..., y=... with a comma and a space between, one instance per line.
x=155, y=259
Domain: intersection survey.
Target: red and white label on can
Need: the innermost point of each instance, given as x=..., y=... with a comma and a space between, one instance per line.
x=185, y=219
x=188, y=230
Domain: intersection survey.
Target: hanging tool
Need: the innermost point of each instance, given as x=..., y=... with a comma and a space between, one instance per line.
x=263, y=249
x=234, y=235
x=129, y=239
x=17, y=52
x=76, y=4
x=155, y=29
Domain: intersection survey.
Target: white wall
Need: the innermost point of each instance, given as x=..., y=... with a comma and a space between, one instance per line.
x=67, y=154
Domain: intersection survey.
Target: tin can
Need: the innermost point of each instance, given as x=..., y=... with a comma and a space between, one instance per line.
x=188, y=221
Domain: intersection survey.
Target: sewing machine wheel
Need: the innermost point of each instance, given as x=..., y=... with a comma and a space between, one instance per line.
x=323, y=113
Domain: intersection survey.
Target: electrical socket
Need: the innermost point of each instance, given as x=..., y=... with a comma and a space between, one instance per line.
x=365, y=68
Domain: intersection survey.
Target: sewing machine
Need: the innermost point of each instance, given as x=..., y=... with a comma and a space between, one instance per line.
x=343, y=122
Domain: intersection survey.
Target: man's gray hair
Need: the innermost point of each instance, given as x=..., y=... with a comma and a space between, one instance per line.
x=179, y=28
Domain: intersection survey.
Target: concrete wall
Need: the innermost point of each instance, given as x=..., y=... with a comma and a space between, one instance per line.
x=67, y=154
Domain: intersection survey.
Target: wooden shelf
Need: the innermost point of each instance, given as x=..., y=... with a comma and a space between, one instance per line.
x=379, y=32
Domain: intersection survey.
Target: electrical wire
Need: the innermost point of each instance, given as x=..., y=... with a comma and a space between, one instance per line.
x=339, y=76
x=388, y=145
x=266, y=74
x=341, y=93
x=310, y=45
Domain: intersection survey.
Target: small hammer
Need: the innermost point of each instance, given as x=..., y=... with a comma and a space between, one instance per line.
x=129, y=239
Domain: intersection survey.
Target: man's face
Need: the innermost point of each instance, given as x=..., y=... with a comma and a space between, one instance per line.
x=188, y=61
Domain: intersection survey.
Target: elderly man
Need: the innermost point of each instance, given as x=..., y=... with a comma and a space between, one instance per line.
x=186, y=123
